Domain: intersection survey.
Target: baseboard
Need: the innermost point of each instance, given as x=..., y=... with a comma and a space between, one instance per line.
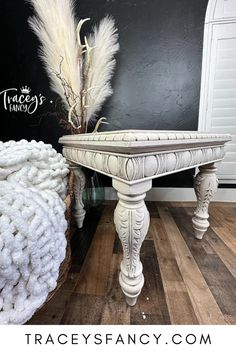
x=177, y=194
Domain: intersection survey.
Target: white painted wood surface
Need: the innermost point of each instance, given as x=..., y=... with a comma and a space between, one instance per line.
x=218, y=85
x=221, y=10
x=205, y=186
x=132, y=159
x=79, y=185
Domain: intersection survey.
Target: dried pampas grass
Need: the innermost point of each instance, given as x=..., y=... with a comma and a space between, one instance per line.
x=79, y=73
x=104, y=41
x=55, y=27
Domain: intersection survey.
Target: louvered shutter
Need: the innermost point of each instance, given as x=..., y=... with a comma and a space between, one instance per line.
x=218, y=87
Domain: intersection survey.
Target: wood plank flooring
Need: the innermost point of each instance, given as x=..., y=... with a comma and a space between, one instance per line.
x=187, y=281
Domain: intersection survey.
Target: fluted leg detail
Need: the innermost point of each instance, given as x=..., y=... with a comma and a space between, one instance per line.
x=79, y=184
x=132, y=222
x=205, y=186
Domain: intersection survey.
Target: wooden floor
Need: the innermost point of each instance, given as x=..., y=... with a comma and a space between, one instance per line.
x=186, y=281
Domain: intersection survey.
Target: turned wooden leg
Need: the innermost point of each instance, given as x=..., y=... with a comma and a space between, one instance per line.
x=205, y=186
x=79, y=184
x=131, y=219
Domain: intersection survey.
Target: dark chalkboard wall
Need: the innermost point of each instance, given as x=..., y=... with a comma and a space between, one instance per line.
x=157, y=81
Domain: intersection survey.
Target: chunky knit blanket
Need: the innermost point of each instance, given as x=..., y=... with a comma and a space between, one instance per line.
x=33, y=164
x=32, y=226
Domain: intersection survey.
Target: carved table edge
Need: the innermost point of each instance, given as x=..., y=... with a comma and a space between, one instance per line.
x=132, y=169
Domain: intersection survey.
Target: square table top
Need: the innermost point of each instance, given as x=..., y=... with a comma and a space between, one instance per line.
x=143, y=141
x=132, y=156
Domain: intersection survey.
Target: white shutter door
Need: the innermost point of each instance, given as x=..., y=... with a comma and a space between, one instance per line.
x=221, y=97
x=225, y=9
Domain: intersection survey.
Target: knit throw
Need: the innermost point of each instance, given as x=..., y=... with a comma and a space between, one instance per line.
x=33, y=164
x=32, y=226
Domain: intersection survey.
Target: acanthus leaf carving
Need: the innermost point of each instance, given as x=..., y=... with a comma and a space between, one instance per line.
x=205, y=186
x=132, y=226
x=79, y=185
x=131, y=219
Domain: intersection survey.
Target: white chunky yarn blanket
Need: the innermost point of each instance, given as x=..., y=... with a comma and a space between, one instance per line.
x=32, y=227
x=33, y=164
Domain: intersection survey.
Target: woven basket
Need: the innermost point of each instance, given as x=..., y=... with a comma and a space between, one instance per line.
x=65, y=265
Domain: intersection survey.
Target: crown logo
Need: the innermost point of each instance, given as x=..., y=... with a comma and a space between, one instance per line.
x=25, y=90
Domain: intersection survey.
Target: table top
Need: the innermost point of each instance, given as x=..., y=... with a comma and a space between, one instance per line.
x=138, y=155
x=140, y=141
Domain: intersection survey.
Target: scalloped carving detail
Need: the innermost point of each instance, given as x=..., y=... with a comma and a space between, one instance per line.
x=141, y=167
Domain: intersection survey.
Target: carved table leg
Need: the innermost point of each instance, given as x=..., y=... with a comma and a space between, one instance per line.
x=79, y=184
x=131, y=219
x=205, y=186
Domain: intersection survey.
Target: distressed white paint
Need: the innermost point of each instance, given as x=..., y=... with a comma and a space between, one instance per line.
x=131, y=219
x=132, y=159
x=79, y=185
x=205, y=186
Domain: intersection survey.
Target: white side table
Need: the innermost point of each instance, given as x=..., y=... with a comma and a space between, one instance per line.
x=132, y=158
